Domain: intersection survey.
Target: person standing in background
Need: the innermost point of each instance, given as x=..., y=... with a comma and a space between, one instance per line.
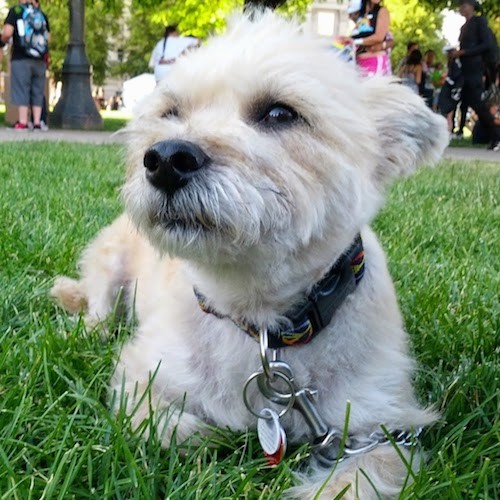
x=158, y=62
x=428, y=66
x=410, y=47
x=28, y=28
x=167, y=50
x=474, y=44
x=412, y=72
x=369, y=38
x=451, y=91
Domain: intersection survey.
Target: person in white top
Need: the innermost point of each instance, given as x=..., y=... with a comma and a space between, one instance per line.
x=167, y=50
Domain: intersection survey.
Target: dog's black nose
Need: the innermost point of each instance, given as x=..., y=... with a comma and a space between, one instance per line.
x=171, y=164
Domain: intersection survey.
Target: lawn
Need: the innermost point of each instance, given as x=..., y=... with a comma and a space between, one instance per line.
x=57, y=437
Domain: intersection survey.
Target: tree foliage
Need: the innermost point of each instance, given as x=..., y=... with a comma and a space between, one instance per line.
x=101, y=27
x=147, y=20
x=193, y=17
x=134, y=35
x=412, y=20
x=490, y=8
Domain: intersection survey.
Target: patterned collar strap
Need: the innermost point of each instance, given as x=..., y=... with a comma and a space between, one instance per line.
x=309, y=317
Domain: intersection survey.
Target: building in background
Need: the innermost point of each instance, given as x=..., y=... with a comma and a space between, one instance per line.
x=328, y=18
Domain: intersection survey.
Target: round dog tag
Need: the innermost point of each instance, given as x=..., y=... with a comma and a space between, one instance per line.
x=276, y=458
x=271, y=435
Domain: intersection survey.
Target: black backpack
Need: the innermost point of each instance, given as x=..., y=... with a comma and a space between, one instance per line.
x=33, y=34
x=491, y=57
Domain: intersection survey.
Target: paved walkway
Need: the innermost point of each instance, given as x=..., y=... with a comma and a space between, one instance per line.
x=7, y=134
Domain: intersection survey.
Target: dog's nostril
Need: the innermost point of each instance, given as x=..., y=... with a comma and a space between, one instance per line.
x=170, y=165
x=152, y=160
x=184, y=162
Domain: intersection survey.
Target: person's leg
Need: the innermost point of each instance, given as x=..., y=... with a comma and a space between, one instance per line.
x=22, y=113
x=449, y=118
x=43, y=118
x=37, y=90
x=19, y=89
x=464, y=106
x=37, y=113
x=480, y=135
x=453, y=118
x=474, y=92
x=496, y=141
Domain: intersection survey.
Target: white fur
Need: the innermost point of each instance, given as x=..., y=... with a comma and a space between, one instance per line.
x=269, y=216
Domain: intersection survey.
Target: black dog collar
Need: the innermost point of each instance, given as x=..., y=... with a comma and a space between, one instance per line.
x=309, y=317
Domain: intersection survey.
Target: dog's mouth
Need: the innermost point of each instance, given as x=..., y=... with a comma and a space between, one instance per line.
x=177, y=223
x=184, y=226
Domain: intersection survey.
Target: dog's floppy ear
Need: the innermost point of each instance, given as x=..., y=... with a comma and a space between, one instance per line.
x=410, y=134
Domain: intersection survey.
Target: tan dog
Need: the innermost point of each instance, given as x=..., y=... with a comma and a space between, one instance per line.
x=251, y=170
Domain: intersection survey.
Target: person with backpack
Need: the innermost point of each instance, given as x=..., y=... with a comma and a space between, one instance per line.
x=491, y=62
x=475, y=44
x=27, y=26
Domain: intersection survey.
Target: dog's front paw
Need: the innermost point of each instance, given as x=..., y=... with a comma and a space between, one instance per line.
x=68, y=294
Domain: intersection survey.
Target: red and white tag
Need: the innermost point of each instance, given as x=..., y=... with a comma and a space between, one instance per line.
x=272, y=436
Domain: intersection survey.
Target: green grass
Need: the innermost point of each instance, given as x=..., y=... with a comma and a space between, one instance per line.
x=57, y=437
x=114, y=120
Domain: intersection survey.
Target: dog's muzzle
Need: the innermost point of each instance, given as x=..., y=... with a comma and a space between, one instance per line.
x=171, y=164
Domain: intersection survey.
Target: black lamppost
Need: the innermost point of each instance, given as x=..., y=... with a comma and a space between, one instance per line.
x=76, y=109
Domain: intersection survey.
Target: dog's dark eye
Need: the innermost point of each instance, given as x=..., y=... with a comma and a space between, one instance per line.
x=170, y=113
x=278, y=114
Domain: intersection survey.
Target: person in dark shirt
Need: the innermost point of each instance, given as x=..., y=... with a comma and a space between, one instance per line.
x=27, y=62
x=474, y=43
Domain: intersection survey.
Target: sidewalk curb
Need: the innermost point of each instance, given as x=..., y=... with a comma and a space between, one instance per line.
x=80, y=136
x=96, y=137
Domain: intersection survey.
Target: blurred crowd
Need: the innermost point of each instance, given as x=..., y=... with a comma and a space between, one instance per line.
x=464, y=88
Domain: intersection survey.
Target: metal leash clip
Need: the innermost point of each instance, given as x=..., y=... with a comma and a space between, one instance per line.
x=276, y=373
x=272, y=372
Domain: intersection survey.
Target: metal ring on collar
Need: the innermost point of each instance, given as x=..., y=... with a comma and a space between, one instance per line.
x=280, y=375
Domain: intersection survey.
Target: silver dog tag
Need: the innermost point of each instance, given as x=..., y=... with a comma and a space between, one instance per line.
x=271, y=435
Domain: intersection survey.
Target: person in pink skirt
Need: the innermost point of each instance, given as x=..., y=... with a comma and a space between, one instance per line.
x=370, y=38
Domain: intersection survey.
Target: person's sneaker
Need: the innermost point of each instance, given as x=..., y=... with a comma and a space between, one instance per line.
x=20, y=126
x=458, y=135
x=43, y=126
x=494, y=146
x=36, y=128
